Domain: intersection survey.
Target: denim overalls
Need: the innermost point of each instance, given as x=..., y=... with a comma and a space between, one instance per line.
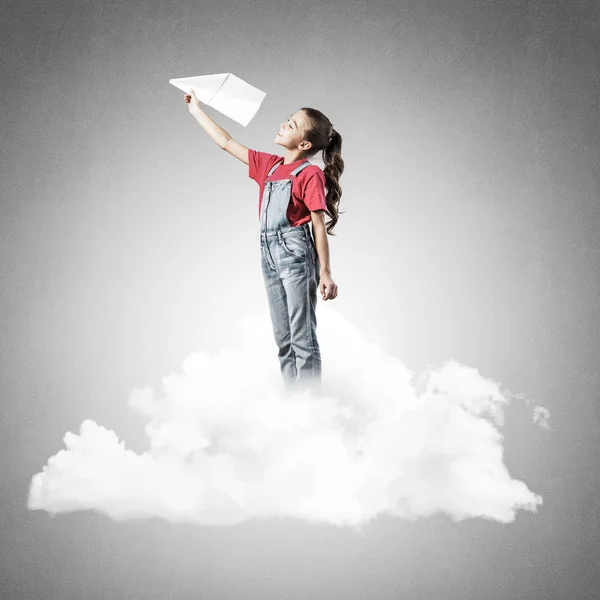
x=291, y=273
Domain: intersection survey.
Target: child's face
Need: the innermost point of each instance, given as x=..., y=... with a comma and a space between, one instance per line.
x=291, y=133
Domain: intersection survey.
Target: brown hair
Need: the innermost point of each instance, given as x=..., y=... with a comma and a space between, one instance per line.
x=323, y=136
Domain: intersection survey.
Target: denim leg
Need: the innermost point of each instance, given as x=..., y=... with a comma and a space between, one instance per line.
x=278, y=308
x=300, y=281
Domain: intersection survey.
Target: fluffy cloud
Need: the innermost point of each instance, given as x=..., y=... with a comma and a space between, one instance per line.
x=226, y=444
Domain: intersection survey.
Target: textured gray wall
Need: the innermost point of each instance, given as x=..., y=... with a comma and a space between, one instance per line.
x=128, y=239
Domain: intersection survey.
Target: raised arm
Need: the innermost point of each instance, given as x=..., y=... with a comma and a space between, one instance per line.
x=236, y=149
x=218, y=134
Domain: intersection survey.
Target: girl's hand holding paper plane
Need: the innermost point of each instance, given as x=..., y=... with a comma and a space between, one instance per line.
x=193, y=102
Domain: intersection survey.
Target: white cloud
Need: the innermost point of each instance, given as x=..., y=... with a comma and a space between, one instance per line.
x=541, y=417
x=226, y=445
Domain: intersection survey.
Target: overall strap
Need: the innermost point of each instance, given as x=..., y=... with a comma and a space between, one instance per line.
x=294, y=172
x=298, y=169
x=274, y=167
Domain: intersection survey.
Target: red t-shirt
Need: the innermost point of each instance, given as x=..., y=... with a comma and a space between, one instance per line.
x=308, y=187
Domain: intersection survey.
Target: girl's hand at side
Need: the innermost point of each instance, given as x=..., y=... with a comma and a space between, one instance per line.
x=328, y=288
x=194, y=103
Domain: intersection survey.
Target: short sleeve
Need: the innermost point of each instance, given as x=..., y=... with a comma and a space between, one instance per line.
x=314, y=191
x=257, y=165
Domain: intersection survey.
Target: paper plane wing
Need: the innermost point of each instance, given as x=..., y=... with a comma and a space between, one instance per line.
x=226, y=93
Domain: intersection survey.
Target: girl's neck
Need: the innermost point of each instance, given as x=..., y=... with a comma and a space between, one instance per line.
x=291, y=157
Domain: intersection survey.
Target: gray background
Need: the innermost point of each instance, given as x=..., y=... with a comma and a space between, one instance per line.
x=128, y=238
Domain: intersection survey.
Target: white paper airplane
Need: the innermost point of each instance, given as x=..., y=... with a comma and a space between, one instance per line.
x=226, y=93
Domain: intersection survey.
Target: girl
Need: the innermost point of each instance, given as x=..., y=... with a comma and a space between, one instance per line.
x=292, y=193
